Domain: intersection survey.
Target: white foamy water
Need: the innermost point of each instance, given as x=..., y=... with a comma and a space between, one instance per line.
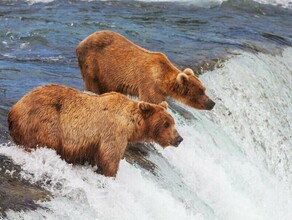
x=204, y=3
x=39, y=1
x=234, y=162
x=200, y=3
x=254, y=106
x=282, y=3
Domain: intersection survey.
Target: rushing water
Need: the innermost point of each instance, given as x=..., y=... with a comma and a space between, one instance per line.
x=235, y=161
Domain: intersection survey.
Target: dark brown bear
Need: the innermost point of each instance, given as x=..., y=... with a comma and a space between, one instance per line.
x=85, y=127
x=110, y=62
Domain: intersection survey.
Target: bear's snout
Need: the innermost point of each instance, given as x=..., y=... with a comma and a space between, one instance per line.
x=178, y=140
x=209, y=104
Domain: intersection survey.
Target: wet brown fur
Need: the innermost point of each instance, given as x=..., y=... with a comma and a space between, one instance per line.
x=85, y=127
x=110, y=62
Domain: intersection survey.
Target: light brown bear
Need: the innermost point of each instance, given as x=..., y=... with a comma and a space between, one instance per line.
x=110, y=62
x=85, y=127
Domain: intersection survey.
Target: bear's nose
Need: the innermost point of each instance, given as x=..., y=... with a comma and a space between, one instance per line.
x=210, y=104
x=179, y=139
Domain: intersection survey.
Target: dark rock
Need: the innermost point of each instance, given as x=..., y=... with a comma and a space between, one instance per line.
x=138, y=153
x=177, y=109
x=208, y=65
x=16, y=193
x=277, y=39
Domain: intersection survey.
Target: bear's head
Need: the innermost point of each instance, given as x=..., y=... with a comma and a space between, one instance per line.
x=159, y=125
x=190, y=90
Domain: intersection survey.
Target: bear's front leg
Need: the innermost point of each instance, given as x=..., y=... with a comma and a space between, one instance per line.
x=91, y=84
x=151, y=95
x=109, y=157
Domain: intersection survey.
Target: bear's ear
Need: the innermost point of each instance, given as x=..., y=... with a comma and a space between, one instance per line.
x=182, y=78
x=146, y=109
x=189, y=72
x=164, y=104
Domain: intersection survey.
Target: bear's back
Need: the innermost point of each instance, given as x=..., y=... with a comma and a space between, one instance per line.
x=100, y=41
x=50, y=114
x=57, y=99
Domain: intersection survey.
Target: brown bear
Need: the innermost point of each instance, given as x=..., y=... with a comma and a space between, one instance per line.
x=110, y=62
x=84, y=127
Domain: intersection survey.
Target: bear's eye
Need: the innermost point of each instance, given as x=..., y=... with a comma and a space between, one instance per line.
x=201, y=92
x=166, y=124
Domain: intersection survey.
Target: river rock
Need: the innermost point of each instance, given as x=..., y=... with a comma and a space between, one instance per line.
x=16, y=193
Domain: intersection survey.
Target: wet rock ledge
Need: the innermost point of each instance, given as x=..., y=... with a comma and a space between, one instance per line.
x=16, y=193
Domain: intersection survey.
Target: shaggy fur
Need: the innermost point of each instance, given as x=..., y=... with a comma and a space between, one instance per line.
x=88, y=128
x=110, y=62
